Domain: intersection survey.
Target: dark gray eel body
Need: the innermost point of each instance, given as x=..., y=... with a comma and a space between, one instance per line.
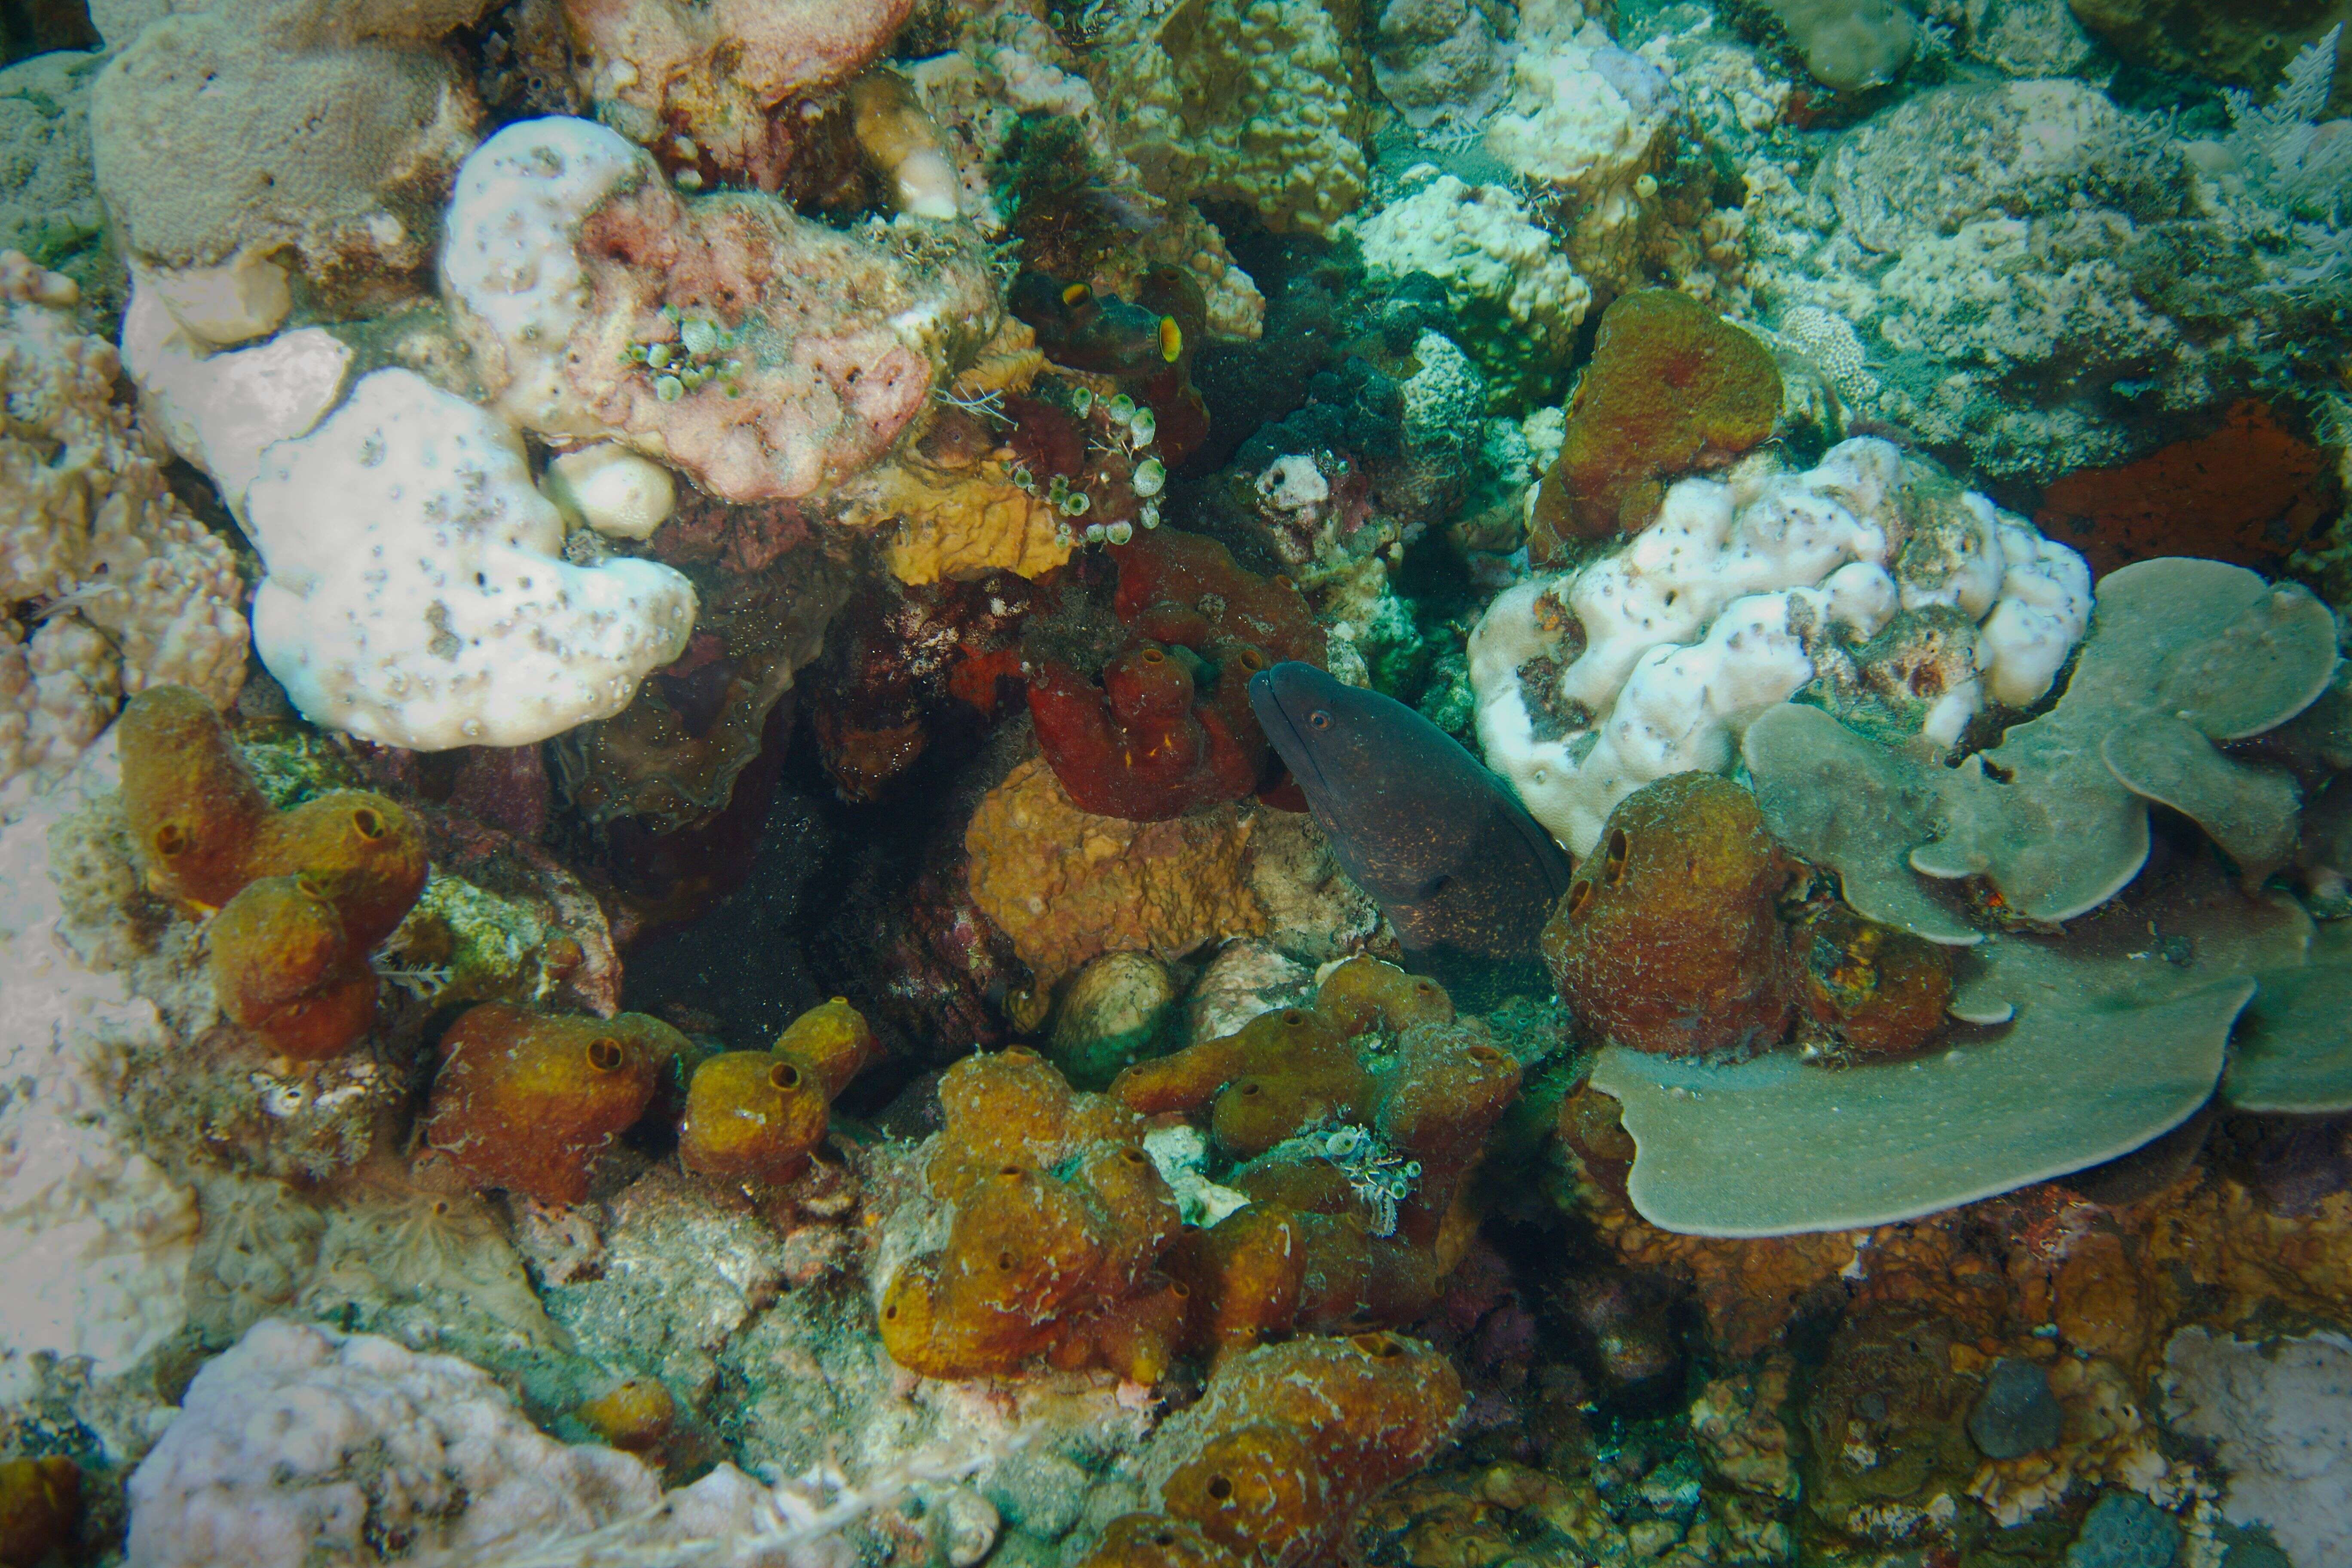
x=1445, y=848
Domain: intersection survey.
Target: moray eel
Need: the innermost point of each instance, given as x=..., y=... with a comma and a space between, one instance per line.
x=1443, y=845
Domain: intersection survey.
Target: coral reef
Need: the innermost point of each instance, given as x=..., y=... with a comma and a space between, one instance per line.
x=726, y=78
x=1067, y=884
x=528, y=1102
x=299, y=1441
x=1515, y=303
x=1251, y=104
x=2250, y=493
x=2187, y=655
x=49, y=209
x=1585, y=128
x=209, y=142
x=2272, y=1411
x=2028, y=267
x=867, y=614
x=125, y=589
x=1351, y=1127
x=1652, y=659
x=1671, y=388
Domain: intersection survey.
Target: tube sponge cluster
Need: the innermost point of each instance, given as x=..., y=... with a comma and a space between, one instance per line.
x=757, y=1116
x=1350, y=1126
x=1059, y=1222
x=302, y=894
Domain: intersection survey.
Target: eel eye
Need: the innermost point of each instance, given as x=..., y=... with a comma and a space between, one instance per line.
x=1318, y=720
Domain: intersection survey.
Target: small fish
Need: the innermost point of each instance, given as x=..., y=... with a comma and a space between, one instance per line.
x=1441, y=844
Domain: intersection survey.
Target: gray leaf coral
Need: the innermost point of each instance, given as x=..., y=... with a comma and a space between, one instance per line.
x=2108, y=1043
x=2184, y=655
x=2078, y=1045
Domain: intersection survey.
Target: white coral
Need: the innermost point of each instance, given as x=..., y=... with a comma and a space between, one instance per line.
x=303, y=1446
x=416, y=594
x=95, y=1239
x=1653, y=660
x=2280, y=1419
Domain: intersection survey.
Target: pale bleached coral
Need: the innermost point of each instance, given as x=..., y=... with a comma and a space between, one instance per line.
x=95, y=1237
x=1516, y=300
x=300, y=1445
x=1251, y=103
x=128, y=590
x=1653, y=659
x=2276, y=1416
x=418, y=594
x=1584, y=129
x=763, y=354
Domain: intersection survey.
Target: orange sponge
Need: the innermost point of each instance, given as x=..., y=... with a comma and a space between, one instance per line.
x=757, y=1116
x=527, y=1100
x=1670, y=938
x=1286, y=1445
x=303, y=894
x=283, y=966
x=1673, y=387
x=1059, y=1222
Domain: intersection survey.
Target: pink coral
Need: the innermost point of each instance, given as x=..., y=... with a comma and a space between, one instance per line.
x=829, y=379
x=718, y=71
